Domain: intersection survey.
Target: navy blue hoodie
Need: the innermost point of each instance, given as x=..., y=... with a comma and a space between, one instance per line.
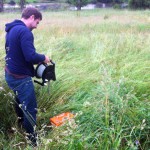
x=20, y=51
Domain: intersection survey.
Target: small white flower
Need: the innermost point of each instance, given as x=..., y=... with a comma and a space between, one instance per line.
x=143, y=121
x=14, y=129
x=86, y=104
x=80, y=113
x=11, y=103
x=48, y=141
x=2, y=89
x=10, y=94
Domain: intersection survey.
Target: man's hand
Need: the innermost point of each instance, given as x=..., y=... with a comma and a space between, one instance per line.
x=47, y=60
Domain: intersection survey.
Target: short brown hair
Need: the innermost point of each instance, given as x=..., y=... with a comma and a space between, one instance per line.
x=29, y=11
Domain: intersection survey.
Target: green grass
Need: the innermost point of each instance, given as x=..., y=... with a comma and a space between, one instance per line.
x=102, y=67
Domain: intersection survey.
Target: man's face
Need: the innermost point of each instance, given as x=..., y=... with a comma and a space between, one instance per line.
x=33, y=23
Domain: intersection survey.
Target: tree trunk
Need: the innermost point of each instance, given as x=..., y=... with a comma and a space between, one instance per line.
x=22, y=4
x=78, y=4
x=1, y=5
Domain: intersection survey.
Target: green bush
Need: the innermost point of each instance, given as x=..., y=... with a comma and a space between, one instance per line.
x=117, y=6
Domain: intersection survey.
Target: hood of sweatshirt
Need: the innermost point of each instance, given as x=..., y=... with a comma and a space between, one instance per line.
x=9, y=26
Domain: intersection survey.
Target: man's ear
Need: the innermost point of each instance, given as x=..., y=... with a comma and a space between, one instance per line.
x=32, y=17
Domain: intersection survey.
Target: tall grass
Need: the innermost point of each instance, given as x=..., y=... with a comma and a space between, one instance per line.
x=102, y=68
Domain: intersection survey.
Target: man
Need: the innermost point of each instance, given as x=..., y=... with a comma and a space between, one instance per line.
x=20, y=57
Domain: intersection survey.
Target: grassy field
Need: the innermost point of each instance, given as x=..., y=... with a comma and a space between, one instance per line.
x=103, y=76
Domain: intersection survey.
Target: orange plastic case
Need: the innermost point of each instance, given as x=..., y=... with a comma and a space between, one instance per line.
x=61, y=119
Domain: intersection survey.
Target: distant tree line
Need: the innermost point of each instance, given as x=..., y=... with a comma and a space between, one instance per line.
x=134, y=4
x=140, y=4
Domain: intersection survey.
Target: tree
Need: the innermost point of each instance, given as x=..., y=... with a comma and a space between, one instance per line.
x=79, y=3
x=139, y=4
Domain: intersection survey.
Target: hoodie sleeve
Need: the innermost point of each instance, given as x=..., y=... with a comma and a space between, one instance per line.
x=28, y=49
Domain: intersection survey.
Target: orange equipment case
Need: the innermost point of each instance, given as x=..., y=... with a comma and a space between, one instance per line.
x=61, y=118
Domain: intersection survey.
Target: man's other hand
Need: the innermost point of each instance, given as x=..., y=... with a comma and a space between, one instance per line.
x=47, y=60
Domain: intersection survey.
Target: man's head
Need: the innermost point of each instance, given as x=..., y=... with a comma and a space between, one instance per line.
x=31, y=17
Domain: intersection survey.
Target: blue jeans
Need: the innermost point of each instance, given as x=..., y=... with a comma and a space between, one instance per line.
x=26, y=105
